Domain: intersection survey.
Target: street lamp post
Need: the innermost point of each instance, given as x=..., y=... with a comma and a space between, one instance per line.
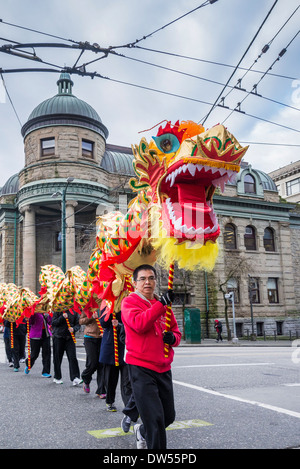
x=253, y=337
x=63, y=222
x=230, y=296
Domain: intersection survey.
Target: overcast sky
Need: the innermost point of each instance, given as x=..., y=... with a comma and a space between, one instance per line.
x=218, y=35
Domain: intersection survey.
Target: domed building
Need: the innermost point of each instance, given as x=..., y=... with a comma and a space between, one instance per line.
x=66, y=157
x=71, y=173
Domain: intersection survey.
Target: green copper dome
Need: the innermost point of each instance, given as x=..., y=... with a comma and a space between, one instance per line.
x=64, y=109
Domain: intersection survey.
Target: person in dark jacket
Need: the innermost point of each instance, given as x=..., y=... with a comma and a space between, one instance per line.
x=7, y=342
x=92, y=344
x=19, y=339
x=63, y=342
x=218, y=327
x=111, y=370
x=40, y=334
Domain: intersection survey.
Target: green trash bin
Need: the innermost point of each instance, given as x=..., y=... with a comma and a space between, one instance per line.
x=192, y=326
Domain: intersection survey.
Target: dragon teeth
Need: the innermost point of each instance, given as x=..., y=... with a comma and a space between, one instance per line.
x=192, y=230
x=226, y=175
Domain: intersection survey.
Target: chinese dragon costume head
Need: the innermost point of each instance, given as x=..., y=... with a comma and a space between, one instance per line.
x=170, y=219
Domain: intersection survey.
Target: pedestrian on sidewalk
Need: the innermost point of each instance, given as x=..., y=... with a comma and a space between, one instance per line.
x=218, y=327
x=40, y=333
x=144, y=318
x=63, y=342
x=92, y=343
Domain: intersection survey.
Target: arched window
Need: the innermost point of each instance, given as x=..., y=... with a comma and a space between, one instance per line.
x=250, y=238
x=230, y=236
x=249, y=184
x=269, y=239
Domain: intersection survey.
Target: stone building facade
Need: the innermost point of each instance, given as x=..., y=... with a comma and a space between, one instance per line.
x=287, y=180
x=66, y=153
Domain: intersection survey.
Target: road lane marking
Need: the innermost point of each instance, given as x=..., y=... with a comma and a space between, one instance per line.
x=280, y=410
x=112, y=432
x=222, y=365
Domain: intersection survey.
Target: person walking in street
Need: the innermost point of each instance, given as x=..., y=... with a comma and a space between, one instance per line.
x=40, y=333
x=92, y=343
x=63, y=342
x=107, y=357
x=7, y=344
x=19, y=338
x=144, y=318
x=218, y=327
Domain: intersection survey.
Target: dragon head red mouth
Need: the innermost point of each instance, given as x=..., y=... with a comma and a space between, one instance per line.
x=180, y=170
x=187, y=192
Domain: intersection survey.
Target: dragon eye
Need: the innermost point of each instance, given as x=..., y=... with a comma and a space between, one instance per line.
x=167, y=143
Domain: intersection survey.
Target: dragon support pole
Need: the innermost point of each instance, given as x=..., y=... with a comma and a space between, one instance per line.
x=28, y=347
x=11, y=335
x=169, y=307
x=99, y=325
x=72, y=334
x=116, y=342
x=129, y=287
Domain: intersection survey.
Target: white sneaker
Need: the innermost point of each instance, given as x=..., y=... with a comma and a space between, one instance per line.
x=58, y=381
x=77, y=381
x=140, y=441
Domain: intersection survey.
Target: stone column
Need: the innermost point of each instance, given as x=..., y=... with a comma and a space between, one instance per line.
x=70, y=234
x=29, y=248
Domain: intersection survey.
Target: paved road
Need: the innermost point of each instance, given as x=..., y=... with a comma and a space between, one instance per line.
x=239, y=397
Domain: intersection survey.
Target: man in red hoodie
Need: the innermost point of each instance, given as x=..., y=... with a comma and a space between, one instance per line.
x=144, y=318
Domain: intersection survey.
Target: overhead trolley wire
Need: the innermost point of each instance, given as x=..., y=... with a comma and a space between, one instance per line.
x=243, y=56
x=132, y=44
x=263, y=51
x=36, y=31
x=197, y=59
x=97, y=75
x=281, y=53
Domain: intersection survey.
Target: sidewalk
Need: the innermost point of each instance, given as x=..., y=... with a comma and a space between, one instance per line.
x=225, y=343
x=240, y=343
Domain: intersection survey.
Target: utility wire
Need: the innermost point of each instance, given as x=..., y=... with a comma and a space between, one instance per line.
x=209, y=62
x=37, y=31
x=132, y=44
x=10, y=100
x=207, y=2
x=95, y=74
x=205, y=79
x=263, y=51
x=281, y=53
x=243, y=56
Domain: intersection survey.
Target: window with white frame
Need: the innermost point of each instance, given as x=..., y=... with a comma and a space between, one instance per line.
x=233, y=286
x=272, y=287
x=293, y=186
x=254, y=290
x=87, y=148
x=48, y=147
x=250, y=238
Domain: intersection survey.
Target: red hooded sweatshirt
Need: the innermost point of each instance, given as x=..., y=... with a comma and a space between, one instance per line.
x=144, y=322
